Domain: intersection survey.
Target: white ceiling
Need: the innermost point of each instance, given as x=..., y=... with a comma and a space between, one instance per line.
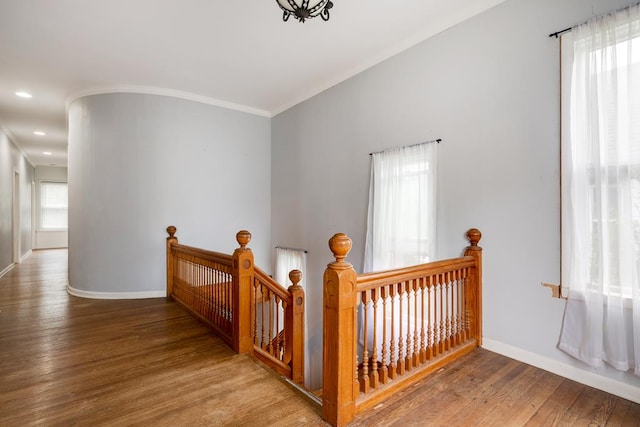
x=238, y=54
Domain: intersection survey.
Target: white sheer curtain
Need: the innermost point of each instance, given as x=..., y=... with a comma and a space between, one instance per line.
x=401, y=224
x=601, y=194
x=290, y=259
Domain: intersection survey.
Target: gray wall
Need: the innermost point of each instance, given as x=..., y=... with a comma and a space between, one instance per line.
x=11, y=159
x=138, y=163
x=489, y=88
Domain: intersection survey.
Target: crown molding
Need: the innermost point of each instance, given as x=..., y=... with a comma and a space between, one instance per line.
x=150, y=90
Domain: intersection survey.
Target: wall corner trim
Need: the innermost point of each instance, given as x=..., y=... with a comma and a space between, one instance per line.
x=583, y=376
x=115, y=295
x=25, y=256
x=7, y=269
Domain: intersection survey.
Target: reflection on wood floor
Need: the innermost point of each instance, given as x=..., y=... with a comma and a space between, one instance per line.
x=71, y=361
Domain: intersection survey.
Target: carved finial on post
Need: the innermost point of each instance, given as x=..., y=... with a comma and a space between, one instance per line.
x=243, y=237
x=171, y=230
x=473, y=236
x=295, y=276
x=340, y=245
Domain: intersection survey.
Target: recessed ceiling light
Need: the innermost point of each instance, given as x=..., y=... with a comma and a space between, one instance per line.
x=39, y=132
x=46, y=153
x=23, y=94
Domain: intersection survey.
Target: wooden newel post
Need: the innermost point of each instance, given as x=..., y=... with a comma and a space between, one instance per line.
x=295, y=324
x=243, y=276
x=339, y=344
x=474, y=296
x=171, y=265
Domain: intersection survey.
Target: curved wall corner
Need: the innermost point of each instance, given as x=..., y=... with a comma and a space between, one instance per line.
x=138, y=163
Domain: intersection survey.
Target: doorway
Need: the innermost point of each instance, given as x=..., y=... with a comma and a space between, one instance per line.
x=16, y=216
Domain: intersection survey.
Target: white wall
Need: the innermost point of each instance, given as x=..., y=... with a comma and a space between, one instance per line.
x=138, y=163
x=489, y=88
x=12, y=160
x=46, y=239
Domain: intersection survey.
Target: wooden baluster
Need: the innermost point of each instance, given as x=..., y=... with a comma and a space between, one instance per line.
x=339, y=372
x=474, y=291
x=463, y=312
x=243, y=276
x=255, y=314
x=364, y=376
x=294, y=328
x=263, y=338
x=384, y=372
x=393, y=367
x=430, y=310
x=458, y=307
x=448, y=308
x=423, y=320
x=437, y=289
x=279, y=327
x=408, y=347
x=230, y=298
x=442, y=323
x=271, y=303
x=415, y=359
x=198, y=289
x=375, y=378
x=401, y=352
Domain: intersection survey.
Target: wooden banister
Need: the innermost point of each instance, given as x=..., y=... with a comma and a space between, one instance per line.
x=475, y=296
x=236, y=298
x=295, y=323
x=243, y=273
x=171, y=240
x=414, y=320
x=339, y=385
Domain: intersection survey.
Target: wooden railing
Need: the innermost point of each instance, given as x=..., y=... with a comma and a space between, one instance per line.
x=243, y=305
x=384, y=331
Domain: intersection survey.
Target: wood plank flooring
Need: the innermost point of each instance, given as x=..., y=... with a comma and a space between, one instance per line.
x=70, y=361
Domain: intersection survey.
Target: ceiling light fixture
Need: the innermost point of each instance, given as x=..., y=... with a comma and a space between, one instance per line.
x=39, y=133
x=46, y=153
x=305, y=9
x=23, y=94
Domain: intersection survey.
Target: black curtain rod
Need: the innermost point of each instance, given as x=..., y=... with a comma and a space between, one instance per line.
x=559, y=33
x=407, y=146
x=293, y=249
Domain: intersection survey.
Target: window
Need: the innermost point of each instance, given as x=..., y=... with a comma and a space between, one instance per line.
x=53, y=205
x=401, y=225
x=601, y=190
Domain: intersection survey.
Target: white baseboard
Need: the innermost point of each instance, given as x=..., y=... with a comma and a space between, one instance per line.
x=25, y=256
x=6, y=270
x=626, y=391
x=115, y=295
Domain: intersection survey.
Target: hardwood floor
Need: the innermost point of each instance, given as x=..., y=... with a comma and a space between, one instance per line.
x=71, y=361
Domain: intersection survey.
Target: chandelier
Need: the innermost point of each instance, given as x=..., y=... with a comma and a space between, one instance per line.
x=305, y=9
